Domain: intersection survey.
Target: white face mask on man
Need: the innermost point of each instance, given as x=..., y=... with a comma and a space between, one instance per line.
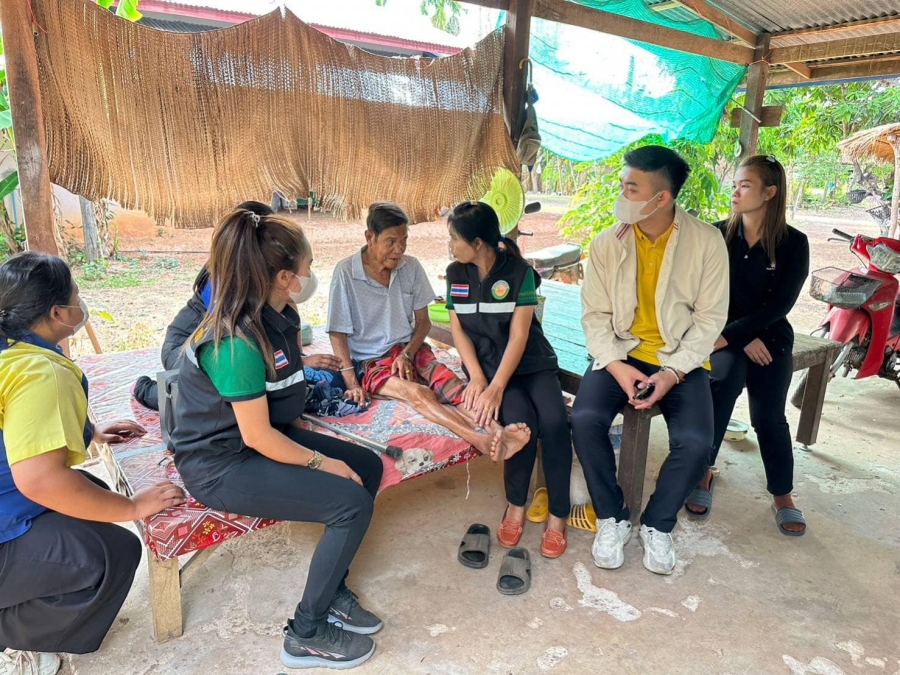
x=82, y=305
x=629, y=212
x=308, y=286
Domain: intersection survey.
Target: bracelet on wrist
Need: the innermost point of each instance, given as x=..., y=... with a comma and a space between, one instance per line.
x=669, y=369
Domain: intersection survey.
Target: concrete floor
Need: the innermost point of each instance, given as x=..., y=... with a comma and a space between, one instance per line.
x=745, y=599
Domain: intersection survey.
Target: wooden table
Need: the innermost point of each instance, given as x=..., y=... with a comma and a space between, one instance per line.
x=562, y=326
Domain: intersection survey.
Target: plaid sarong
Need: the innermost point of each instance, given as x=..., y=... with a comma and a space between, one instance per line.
x=428, y=370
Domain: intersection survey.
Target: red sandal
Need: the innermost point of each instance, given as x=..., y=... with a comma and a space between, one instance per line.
x=510, y=531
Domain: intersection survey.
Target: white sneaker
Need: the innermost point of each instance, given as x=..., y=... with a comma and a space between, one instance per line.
x=14, y=662
x=659, y=550
x=609, y=543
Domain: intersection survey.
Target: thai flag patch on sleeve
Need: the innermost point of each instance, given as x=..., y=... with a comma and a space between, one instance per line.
x=459, y=290
x=280, y=360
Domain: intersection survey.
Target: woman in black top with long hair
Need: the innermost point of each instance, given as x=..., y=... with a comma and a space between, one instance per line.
x=513, y=371
x=769, y=264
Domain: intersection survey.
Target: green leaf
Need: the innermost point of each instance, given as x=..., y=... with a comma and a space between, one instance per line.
x=105, y=4
x=8, y=184
x=127, y=9
x=106, y=316
x=5, y=120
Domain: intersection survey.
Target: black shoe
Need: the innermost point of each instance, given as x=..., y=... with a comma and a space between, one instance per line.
x=145, y=391
x=345, y=609
x=330, y=647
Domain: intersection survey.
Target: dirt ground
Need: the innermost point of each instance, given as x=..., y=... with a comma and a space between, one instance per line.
x=136, y=296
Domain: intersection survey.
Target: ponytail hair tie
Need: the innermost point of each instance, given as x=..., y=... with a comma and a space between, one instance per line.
x=4, y=313
x=254, y=218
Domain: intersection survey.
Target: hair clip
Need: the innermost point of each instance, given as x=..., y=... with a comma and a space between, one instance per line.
x=4, y=313
x=770, y=158
x=254, y=218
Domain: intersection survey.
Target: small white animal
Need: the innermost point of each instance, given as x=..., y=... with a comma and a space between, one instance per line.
x=414, y=461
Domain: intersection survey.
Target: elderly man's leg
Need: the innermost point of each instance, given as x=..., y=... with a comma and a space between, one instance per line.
x=511, y=439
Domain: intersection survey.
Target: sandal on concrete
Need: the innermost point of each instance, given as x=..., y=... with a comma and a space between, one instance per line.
x=515, y=572
x=700, y=497
x=540, y=506
x=582, y=517
x=787, y=514
x=475, y=547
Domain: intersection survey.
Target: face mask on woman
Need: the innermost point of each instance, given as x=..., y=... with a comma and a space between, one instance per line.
x=82, y=305
x=308, y=286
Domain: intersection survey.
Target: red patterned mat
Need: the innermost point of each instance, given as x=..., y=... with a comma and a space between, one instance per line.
x=143, y=461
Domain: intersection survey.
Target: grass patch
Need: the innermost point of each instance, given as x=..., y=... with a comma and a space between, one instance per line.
x=125, y=273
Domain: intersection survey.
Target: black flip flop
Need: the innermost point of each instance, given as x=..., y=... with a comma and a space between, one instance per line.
x=701, y=497
x=787, y=514
x=475, y=547
x=515, y=572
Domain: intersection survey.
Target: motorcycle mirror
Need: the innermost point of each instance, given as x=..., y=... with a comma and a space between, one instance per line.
x=533, y=207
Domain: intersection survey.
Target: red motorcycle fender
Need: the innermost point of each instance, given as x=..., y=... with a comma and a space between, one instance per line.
x=846, y=324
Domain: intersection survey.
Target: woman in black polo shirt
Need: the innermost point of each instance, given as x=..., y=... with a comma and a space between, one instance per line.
x=769, y=263
x=513, y=371
x=237, y=446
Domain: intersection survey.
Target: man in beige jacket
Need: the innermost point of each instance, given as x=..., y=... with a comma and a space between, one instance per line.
x=654, y=300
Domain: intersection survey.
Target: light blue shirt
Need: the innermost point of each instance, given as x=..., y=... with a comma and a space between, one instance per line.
x=375, y=317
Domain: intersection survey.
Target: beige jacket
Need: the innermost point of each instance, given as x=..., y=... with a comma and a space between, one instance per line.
x=691, y=296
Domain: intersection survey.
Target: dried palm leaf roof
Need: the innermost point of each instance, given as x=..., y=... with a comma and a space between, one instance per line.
x=874, y=143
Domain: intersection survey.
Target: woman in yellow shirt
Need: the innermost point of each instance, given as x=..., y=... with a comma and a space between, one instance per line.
x=65, y=569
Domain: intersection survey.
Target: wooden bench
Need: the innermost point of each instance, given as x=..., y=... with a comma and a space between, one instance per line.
x=562, y=326
x=193, y=531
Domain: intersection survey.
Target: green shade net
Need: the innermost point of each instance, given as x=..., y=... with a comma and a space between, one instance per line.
x=599, y=93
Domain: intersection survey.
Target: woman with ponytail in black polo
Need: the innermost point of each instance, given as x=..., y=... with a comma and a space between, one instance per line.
x=237, y=443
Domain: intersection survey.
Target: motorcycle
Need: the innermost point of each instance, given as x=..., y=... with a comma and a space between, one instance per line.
x=863, y=311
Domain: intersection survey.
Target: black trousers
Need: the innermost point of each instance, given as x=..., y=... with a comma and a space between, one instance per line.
x=63, y=582
x=767, y=390
x=258, y=486
x=537, y=400
x=688, y=412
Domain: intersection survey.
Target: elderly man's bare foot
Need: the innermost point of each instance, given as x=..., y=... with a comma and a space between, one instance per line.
x=509, y=440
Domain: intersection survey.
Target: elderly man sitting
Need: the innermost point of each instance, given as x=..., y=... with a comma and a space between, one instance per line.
x=378, y=322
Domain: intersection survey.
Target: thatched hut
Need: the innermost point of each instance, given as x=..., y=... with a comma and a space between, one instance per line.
x=881, y=144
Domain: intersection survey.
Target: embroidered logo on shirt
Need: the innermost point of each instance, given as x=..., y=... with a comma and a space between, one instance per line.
x=280, y=360
x=500, y=289
x=459, y=290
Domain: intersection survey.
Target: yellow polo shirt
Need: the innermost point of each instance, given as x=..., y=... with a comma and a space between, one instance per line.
x=645, y=327
x=42, y=404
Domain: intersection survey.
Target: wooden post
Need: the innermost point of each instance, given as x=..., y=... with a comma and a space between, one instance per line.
x=756, y=90
x=28, y=124
x=518, y=38
x=895, y=197
x=92, y=249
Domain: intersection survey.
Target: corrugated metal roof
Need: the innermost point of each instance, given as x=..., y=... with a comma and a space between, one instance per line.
x=174, y=26
x=775, y=16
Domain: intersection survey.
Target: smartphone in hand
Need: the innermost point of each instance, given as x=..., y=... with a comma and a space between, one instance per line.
x=645, y=393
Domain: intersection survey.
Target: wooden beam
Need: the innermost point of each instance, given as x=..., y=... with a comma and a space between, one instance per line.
x=854, y=70
x=518, y=39
x=771, y=116
x=801, y=69
x=837, y=49
x=573, y=14
x=28, y=125
x=756, y=90
x=717, y=18
x=824, y=33
x=492, y=4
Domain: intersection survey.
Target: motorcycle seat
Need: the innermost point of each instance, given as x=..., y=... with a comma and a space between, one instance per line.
x=560, y=255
